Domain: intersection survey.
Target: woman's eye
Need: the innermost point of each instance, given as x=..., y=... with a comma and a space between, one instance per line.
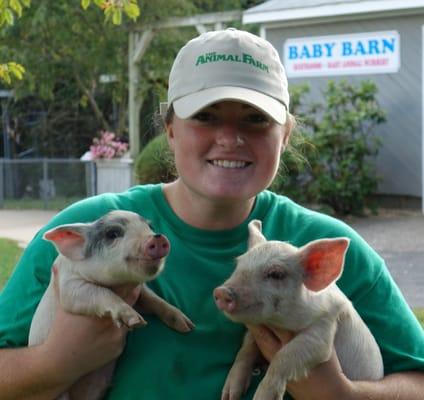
x=257, y=119
x=204, y=116
x=114, y=233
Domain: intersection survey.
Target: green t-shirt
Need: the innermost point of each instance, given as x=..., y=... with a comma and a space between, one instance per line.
x=159, y=363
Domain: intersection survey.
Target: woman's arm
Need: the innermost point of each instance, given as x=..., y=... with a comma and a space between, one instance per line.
x=75, y=346
x=327, y=380
x=28, y=373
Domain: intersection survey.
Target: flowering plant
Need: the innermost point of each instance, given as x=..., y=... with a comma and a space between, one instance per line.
x=107, y=146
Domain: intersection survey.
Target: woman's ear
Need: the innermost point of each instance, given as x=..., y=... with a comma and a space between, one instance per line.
x=170, y=135
x=288, y=129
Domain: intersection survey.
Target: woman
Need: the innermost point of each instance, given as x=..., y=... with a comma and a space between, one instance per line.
x=227, y=123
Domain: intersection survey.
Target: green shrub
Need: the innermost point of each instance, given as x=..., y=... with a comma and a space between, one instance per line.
x=339, y=173
x=155, y=163
x=344, y=176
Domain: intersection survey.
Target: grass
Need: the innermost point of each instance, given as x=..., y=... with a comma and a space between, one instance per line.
x=27, y=203
x=9, y=256
x=420, y=315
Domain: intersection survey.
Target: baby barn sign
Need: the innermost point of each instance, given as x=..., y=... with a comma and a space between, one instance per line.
x=350, y=54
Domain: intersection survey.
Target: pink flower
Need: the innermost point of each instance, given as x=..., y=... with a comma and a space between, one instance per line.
x=108, y=146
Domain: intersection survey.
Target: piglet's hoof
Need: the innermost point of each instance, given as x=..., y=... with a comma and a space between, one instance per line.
x=131, y=319
x=177, y=320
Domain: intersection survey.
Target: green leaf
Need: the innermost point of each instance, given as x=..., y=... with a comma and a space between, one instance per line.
x=132, y=10
x=15, y=5
x=8, y=15
x=6, y=78
x=16, y=69
x=11, y=69
x=16, y=72
x=109, y=13
x=117, y=17
x=20, y=68
x=85, y=4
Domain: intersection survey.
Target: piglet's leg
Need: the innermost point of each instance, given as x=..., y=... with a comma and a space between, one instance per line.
x=150, y=303
x=82, y=297
x=238, y=379
x=306, y=350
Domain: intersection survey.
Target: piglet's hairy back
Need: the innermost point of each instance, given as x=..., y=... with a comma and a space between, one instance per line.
x=280, y=285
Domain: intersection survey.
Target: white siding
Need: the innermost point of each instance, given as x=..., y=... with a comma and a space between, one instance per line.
x=400, y=95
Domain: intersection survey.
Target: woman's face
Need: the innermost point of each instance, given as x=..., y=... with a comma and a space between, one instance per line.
x=227, y=151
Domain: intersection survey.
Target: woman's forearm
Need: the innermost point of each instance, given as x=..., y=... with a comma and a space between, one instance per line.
x=30, y=373
x=327, y=380
x=399, y=386
x=75, y=346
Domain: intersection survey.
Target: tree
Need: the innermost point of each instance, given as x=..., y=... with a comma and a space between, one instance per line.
x=61, y=104
x=8, y=8
x=65, y=51
x=113, y=9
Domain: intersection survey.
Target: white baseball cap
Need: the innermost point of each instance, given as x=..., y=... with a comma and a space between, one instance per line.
x=228, y=65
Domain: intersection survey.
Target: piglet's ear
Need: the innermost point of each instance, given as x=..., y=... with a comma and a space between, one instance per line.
x=255, y=233
x=322, y=261
x=69, y=240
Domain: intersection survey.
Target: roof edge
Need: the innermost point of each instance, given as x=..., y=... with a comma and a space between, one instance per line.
x=330, y=10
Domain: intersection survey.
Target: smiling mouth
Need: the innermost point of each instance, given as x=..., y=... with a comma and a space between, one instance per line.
x=229, y=164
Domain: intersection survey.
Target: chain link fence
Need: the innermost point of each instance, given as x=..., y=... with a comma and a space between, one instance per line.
x=49, y=183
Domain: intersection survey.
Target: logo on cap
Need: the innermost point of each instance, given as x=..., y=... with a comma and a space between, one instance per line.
x=243, y=58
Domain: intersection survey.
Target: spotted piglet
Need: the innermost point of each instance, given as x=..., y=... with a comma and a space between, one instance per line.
x=279, y=285
x=119, y=248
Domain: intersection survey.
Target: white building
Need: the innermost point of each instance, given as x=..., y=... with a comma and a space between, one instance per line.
x=380, y=40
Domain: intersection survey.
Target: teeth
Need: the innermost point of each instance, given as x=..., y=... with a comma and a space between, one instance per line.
x=229, y=164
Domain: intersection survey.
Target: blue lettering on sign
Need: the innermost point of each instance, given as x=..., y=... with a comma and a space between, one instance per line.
x=360, y=49
x=292, y=52
x=346, y=48
x=373, y=47
x=316, y=50
x=389, y=45
x=304, y=53
x=368, y=47
x=329, y=47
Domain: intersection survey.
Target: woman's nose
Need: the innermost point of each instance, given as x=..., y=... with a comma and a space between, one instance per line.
x=228, y=135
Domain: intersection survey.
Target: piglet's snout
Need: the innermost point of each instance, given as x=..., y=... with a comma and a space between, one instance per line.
x=156, y=247
x=225, y=298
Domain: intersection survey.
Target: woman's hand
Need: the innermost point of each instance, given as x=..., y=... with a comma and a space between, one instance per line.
x=269, y=340
x=325, y=381
x=78, y=344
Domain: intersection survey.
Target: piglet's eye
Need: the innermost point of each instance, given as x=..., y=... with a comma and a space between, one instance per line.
x=275, y=274
x=114, y=233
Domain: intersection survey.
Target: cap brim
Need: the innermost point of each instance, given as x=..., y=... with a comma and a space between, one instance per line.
x=189, y=105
